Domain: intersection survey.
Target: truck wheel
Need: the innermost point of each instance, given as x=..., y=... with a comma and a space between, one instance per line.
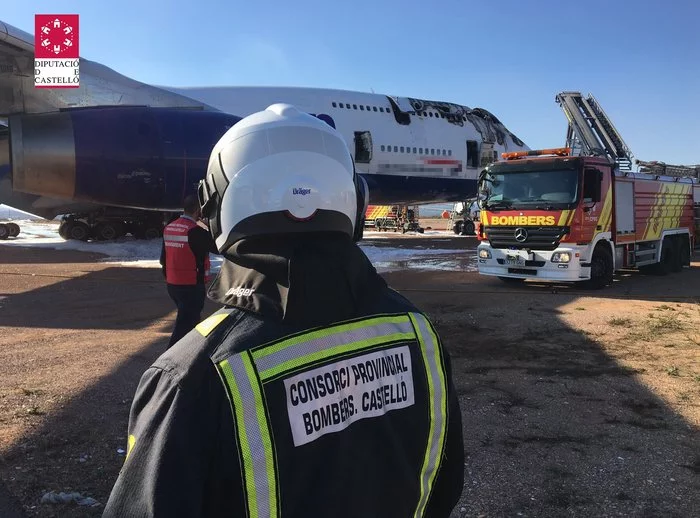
x=602, y=270
x=4, y=231
x=677, y=262
x=13, y=228
x=668, y=253
x=685, y=251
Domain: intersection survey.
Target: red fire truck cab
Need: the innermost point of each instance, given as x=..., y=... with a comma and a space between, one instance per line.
x=550, y=216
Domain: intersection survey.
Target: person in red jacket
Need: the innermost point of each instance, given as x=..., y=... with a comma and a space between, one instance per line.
x=184, y=258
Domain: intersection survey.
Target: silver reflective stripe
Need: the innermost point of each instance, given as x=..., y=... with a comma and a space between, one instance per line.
x=168, y=237
x=253, y=436
x=269, y=363
x=437, y=398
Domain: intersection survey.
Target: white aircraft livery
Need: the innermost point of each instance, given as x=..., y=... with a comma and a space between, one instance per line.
x=117, y=142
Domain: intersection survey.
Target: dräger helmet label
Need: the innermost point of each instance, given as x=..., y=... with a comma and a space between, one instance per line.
x=240, y=292
x=301, y=190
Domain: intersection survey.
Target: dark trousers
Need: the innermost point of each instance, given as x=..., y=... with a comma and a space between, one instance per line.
x=190, y=302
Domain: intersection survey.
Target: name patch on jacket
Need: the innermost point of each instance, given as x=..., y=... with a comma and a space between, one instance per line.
x=330, y=398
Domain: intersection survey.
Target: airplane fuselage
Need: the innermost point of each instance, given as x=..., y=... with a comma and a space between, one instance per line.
x=117, y=142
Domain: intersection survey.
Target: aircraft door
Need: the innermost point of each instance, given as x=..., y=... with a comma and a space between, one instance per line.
x=472, y=153
x=363, y=147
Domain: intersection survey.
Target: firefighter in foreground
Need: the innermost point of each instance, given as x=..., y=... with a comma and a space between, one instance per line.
x=316, y=391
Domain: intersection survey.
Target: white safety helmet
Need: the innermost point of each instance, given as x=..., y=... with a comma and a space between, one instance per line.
x=281, y=171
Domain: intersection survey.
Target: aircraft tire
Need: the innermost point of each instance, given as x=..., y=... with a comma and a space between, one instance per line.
x=78, y=230
x=152, y=233
x=13, y=229
x=4, y=231
x=109, y=231
x=468, y=228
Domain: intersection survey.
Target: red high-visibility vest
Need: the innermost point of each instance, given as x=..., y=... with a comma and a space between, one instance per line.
x=180, y=263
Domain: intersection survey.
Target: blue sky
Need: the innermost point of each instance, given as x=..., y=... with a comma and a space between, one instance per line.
x=640, y=59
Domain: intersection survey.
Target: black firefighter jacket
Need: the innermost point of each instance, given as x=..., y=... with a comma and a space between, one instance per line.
x=249, y=415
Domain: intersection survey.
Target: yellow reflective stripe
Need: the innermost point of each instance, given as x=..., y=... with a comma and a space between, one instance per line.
x=264, y=428
x=131, y=442
x=207, y=325
x=253, y=433
x=334, y=351
x=437, y=399
x=247, y=462
x=563, y=218
x=267, y=350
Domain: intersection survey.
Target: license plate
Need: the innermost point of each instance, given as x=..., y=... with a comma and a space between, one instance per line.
x=514, y=259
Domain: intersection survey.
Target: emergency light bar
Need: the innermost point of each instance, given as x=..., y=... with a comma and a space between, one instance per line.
x=559, y=151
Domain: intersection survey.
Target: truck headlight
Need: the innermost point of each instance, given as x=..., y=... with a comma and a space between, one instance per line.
x=561, y=257
x=484, y=253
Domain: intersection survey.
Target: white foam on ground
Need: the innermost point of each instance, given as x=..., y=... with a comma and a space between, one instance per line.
x=146, y=254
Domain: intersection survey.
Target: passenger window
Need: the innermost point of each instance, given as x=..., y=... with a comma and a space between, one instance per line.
x=383, y=147
x=375, y=108
x=449, y=152
x=401, y=149
x=362, y=108
x=396, y=149
x=414, y=150
x=334, y=105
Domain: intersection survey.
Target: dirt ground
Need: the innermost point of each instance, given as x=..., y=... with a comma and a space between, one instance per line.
x=573, y=403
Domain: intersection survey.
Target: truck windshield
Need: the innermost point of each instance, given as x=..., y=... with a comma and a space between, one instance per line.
x=531, y=189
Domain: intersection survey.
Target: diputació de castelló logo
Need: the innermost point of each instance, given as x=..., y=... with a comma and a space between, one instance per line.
x=56, y=51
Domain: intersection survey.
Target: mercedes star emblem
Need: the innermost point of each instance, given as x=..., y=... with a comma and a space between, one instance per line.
x=520, y=235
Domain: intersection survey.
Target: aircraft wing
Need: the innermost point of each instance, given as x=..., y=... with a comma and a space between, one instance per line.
x=99, y=85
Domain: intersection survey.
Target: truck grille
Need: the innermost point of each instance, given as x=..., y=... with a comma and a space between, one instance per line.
x=538, y=238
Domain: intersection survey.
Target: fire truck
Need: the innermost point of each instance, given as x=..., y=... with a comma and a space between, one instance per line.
x=579, y=213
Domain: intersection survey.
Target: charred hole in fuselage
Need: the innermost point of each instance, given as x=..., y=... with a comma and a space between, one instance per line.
x=401, y=117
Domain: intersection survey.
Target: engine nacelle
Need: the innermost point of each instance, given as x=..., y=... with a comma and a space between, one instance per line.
x=134, y=157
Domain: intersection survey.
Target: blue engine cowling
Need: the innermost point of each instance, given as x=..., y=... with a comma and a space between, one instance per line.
x=135, y=157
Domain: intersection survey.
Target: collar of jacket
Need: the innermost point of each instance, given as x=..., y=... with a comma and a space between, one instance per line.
x=302, y=279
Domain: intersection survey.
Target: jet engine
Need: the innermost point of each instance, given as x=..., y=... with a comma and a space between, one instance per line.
x=132, y=157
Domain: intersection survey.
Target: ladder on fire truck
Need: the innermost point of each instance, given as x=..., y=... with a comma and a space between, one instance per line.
x=591, y=132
